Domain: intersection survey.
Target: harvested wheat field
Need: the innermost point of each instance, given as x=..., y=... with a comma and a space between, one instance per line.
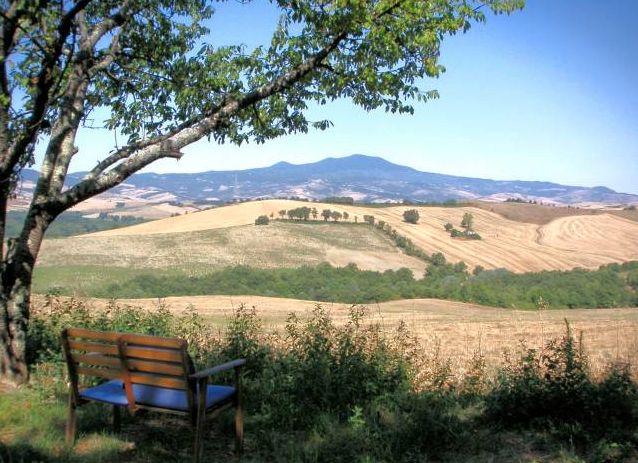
x=457, y=329
x=279, y=245
x=586, y=241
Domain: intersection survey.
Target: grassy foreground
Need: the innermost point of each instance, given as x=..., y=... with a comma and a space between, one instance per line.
x=317, y=391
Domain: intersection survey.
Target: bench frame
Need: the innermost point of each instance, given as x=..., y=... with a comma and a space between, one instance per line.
x=151, y=361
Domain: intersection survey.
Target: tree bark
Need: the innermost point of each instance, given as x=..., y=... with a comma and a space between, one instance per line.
x=15, y=295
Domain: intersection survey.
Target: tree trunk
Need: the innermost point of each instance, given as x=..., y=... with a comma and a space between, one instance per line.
x=14, y=306
x=15, y=294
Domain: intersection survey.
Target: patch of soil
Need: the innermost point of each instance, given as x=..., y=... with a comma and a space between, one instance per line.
x=536, y=213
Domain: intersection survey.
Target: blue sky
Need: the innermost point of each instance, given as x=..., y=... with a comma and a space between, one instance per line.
x=548, y=93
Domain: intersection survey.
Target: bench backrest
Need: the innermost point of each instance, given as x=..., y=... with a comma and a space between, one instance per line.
x=91, y=353
x=132, y=358
x=156, y=361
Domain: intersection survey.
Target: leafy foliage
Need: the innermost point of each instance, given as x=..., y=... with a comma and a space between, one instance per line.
x=467, y=223
x=605, y=287
x=553, y=388
x=411, y=216
x=72, y=223
x=262, y=220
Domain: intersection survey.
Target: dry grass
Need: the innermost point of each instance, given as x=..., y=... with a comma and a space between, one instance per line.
x=457, y=329
x=533, y=213
x=575, y=241
x=278, y=245
x=542, y=215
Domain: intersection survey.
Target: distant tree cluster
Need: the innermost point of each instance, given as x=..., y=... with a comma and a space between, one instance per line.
x=401, y=241
x=528, y=201
x=299, y=213
x=304, y=213
x=339, y=200
x=73, y=223
x=467, y=224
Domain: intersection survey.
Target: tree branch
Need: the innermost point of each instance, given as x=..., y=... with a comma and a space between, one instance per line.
x=141, y=154
x=110, y=23
x=108, y=59
x=42, y=96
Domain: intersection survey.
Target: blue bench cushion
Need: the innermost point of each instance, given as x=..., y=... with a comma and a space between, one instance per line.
x=111, y=392
x=175, y=399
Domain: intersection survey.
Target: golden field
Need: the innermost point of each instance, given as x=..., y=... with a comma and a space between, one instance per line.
x=587, y=240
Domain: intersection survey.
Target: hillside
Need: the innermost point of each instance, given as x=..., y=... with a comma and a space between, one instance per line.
x=188, y=244
x=586, y=241
x=364, y=178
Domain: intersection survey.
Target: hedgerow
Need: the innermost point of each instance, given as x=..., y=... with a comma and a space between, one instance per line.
x=609, y=286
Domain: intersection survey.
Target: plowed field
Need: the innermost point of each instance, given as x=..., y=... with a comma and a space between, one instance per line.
x=577, y=241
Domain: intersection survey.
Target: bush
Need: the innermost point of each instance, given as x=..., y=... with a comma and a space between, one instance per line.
x=411, y=216
x=553, y=389
x=262, y=220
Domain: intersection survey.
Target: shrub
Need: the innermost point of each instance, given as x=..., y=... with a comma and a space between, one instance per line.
x=369, y=219
x=553, y=389
x=262, y=220
x=411, y=216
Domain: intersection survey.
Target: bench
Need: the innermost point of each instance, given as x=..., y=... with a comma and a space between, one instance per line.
x=147, y=372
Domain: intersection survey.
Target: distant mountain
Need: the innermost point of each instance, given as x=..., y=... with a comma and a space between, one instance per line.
x=365, y=178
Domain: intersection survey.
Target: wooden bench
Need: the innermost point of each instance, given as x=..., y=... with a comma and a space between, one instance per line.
x=147, y=372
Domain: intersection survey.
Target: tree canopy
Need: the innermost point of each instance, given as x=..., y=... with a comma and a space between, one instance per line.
x=152, y=68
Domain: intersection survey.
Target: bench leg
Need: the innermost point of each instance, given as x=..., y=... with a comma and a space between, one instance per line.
x=239, y=414
x=71, y=422
x=117, y=419
x=200, y=423
x=198, y=446
x=239, y=426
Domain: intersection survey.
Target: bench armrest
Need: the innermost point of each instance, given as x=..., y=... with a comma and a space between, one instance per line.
x=218, y=368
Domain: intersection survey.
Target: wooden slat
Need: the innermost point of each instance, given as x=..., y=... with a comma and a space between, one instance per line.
x=167, y=355
x=161, y=381
x=93, y=347
x=93, y=334
x=153, y=341
x=107, y=373
x=97, y=359
x=156, y=367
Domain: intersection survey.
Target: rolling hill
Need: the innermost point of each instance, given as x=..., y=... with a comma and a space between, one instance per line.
x=364, y=178
x=586, y=241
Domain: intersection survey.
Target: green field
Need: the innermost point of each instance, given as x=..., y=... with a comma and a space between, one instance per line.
x=72, y=223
